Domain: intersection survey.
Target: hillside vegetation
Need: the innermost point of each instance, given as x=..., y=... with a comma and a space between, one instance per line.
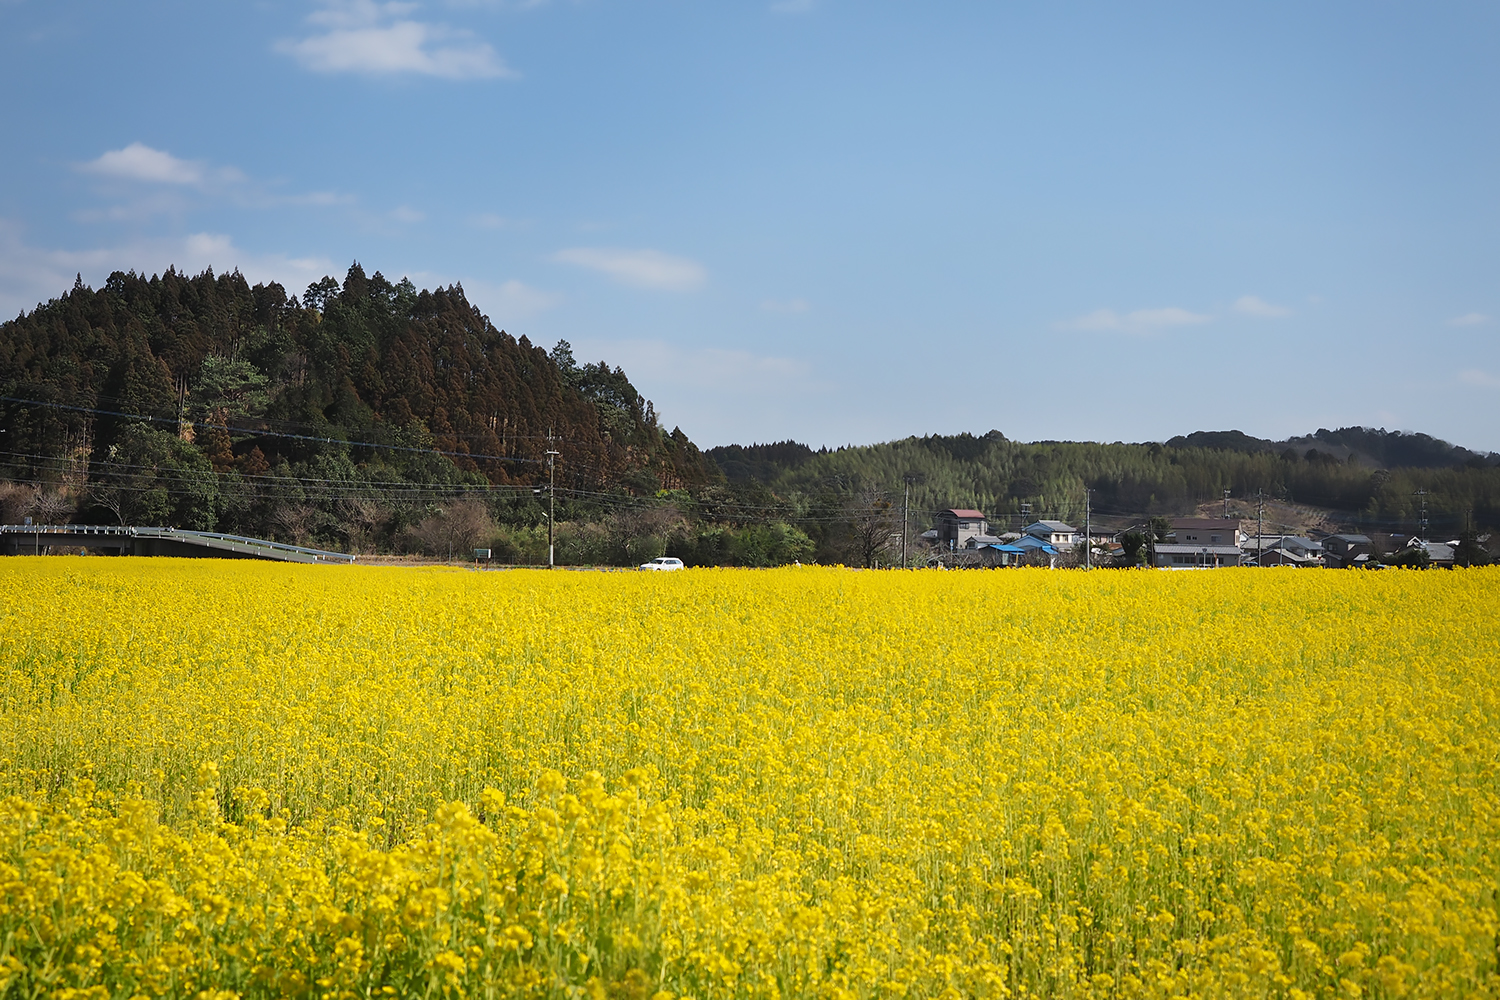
x=1368, y=477
x=204, y=402
x=375, y=417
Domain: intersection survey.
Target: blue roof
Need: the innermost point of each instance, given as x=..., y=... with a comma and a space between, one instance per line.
x=1032, y=542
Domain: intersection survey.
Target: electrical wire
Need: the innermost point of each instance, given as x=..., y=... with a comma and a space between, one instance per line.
x=280, y=434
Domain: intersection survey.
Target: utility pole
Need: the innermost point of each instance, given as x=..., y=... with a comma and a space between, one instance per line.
x=551, y=499
x=1025, y=513
x=1088, y=528
x=1260, y=525
x=905, y=516
x=1423, y=494
x=1226, y=505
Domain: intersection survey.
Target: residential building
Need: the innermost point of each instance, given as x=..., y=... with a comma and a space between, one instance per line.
x=1034, y=550
x=1205, y=531
x=1440, y=555
x=1345, y=551
x=999, y=555
x=1282, y=550
x=956, y=526
x=1170, y=555
x=1054, y=533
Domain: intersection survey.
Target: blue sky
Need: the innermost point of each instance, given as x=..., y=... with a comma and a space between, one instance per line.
x=831, y=221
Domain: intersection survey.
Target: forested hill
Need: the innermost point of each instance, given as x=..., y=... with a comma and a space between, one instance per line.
x=1373, y=477
x=363, y=381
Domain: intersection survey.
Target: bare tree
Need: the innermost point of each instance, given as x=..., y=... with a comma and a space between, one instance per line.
x=455, y=528
x=112, y=498
x=363, y=518
x=49, y=506
x=641, y=534
x=468, y=523
x=15, y=501
x=873, y=520
x=296, y=521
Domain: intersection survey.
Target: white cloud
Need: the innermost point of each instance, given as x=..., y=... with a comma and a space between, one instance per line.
x=1474, y=376
x=374, y=38
x=139, y=162
x=29, y=275
x=639, y=268
x=1469, y=319
x=788, y=306
x=1140, y=321
x=170, y=178
x=1253, y=305
x=407, y=214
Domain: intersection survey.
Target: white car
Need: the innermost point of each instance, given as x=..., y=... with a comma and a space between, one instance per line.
x=662, y=563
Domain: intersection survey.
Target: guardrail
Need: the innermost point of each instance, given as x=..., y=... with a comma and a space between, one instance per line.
x=125, y=537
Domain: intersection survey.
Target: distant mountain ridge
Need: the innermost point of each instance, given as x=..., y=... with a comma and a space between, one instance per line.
x=1372, y=477
x=1374, y=447
x=1377, y=447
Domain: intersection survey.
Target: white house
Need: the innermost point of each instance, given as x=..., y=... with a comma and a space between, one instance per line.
x=1054, y=533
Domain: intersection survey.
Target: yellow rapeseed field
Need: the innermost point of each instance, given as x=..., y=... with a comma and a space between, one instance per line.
x=242, y=779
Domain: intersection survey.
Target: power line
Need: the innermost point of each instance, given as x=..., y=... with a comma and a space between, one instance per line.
x=271, y=421
x=279, y=434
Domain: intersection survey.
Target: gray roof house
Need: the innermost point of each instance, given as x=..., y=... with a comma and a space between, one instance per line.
x=1283, y=550
x=1344, y=551
x=1170, y=555
x=1052, y=532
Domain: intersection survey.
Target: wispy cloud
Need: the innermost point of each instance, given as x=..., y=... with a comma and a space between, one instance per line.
x=407, y=214
x=638, y=268
x=1139, y=321
x=1469, y=319
x=1473, y=376
x=152, y=182
x=139, y=162
x=786, y=306
x=30, y=274
x=509, y=300
x=361, y=36
x=1254, y=305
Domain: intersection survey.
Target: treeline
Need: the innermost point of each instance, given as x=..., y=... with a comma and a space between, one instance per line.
x=348, y=418
x=375, y=417
x=1373, y=478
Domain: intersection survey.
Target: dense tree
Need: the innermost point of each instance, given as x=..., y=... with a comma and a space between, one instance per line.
x=358, y=394
x=367, y=408
x=1131, y=482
